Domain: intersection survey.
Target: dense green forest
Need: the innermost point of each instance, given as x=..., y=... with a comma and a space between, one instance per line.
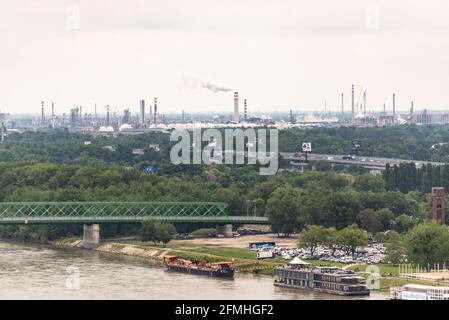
x=60, y=146
x=59, y=166
x=405, y=142
x=290, y=199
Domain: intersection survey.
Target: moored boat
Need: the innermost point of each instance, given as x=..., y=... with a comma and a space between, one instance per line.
x=297, y=274
x=212, y=269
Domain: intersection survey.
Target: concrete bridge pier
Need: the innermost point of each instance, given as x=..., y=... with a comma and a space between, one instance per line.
x=225, y=230
x=91, y=236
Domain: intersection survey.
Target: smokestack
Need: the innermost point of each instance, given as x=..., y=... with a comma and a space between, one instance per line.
x=151, y=113
x=364, y=103
x=385, y=110
x=81, y=116
x=394, y=104
x=342, y=103
x=3, y=129
x=52, y=114
x=42, y=112
x=236, y=107
x=411, y=108
x=352, y=103
x=142, y=112
x=291, y=116
x=107, y=116
x=155, y=111
x=245, y=110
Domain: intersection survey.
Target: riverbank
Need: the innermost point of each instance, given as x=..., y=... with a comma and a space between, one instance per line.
x=44, y=272
x=245, y=261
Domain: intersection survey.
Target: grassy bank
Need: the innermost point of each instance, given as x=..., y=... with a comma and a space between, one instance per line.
x=246, y=261
x=243, y=258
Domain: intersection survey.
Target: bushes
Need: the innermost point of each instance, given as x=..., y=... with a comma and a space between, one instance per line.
x=428, y=243
x=204, y=232
x=157, y=232
x=39, y=233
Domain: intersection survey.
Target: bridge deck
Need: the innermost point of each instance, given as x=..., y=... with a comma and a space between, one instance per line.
x=128, y=219
x=113, y=212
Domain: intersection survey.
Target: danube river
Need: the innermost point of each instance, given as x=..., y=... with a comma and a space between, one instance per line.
x=46, y=272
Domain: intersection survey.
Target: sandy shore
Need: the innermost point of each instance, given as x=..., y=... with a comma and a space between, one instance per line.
x=240, y=242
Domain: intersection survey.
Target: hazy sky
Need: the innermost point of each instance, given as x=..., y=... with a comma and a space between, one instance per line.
x=280, y=55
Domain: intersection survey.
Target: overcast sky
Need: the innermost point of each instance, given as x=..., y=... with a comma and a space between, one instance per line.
x=280, y=55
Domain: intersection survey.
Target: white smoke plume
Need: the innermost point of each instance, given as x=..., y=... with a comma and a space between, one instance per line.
x=197, y=82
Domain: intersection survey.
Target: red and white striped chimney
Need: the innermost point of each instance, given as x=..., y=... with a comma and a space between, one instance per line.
x=155, y=111
x=236, y=107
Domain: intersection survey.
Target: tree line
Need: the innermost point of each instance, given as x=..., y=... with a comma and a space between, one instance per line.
x=425, y=244
x=407, y=177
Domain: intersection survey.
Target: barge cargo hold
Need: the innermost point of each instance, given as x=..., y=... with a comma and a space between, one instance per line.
x=331, y=280
x=215, y=269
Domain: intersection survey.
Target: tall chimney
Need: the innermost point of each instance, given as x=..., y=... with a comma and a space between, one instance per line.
x=352, y=103
x=364, y=103
x=411, y=108
x=107, y=116
x=236, y=107
x=151, y=114
x=42, y=112
x=142, y=112
x=394, y=104
x=342, y=103
x=155, y=111
x=52, y=114
x=291, y=116
x=245, y=110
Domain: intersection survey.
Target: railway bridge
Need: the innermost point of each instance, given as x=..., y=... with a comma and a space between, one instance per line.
x=91, y=214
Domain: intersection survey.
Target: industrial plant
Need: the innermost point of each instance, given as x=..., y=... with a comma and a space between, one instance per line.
x=108, y=120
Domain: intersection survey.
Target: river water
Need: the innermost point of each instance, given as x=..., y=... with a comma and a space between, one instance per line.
x=46, y=272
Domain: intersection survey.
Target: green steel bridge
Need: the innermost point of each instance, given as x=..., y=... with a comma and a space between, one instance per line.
x=110, y=212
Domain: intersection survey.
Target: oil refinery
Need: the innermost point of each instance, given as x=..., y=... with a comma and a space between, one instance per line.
x=108, y=120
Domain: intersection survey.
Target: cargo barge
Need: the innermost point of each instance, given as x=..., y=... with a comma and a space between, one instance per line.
x=298, y=275
x=215, y=269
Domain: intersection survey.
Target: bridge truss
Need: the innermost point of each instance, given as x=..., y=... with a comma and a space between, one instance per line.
x=105, y=212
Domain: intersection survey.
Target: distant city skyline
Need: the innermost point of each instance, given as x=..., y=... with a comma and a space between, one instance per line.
x=279, y=55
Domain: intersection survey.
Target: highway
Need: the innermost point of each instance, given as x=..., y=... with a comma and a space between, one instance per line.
x=367, y=162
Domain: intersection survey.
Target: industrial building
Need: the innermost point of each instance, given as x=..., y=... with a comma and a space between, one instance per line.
x=150, y=119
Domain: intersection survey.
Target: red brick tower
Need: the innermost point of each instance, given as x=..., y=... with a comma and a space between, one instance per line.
x=438, y=204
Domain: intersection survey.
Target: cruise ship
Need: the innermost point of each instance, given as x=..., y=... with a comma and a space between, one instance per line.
x=297, y=274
